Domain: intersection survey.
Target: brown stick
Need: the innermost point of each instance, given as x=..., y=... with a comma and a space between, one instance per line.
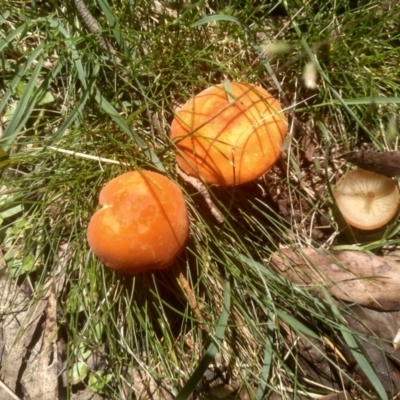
x=194, y=305
x=94, y=27
x=202, y=189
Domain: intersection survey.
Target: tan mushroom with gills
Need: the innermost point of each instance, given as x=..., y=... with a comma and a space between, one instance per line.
x=367, y=200
x=229, y=134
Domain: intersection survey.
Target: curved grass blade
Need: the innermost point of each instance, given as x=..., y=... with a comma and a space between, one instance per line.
x=357, y=351
x=16, y=32
x=4, y=160
x=331, y=88
x=113, y=22
x=267, y=362
x=113, y=113
x=3, y=17
x=367, y=100
x=296, y=325
x=23, y=110
x=19, y=75
x=74, y=52
x=32, y=97
x=212, y=348
x=216, y=18
x=77, y=111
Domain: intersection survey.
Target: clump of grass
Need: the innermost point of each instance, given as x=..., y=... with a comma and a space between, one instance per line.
x=74, y=116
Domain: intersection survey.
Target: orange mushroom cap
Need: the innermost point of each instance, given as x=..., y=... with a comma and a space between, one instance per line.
x=229, y=134
x=143, y=224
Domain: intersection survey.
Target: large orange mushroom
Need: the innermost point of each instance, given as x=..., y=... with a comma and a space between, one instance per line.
x=142, y=225
x=229, y=134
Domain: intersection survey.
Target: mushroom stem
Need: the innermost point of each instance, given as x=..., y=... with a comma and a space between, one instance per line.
x=198, y=185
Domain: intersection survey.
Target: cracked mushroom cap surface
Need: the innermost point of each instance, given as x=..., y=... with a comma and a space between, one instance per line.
x=367, y=200
x=142, y=225
x=229, y=134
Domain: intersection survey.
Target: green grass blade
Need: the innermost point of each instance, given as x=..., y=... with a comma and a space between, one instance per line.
x=113, y=113
x=368, y=100
x=4, y=17
x=32, y=97
x=76, y=113
x=23, y=110
x=114, y=25
x=216, y=18
x=327, y=80
x=19, y=75
x=12, y=35
x=296, y=324
x=357, y=351
x=212, y=348
x=75, y=57
x=267, y=361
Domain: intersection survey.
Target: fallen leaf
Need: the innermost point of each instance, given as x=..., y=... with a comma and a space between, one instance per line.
x=386, y=163
x=362, y=278
x=377, y=329
x=20, y=319
x=40, y=376
x=311, y=361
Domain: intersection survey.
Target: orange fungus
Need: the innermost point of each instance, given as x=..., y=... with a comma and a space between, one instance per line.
x=229, y=134
x=142, y=225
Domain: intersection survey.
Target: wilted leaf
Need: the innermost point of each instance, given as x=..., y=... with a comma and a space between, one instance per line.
x=311, y=360
x=353, y=276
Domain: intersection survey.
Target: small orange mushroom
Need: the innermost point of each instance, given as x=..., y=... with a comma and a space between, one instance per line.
x=142, y=225
x=229, y=134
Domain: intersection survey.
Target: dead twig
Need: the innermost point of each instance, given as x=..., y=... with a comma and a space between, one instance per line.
x=194, y=305
x=95, y=28
x=202, y=189
x=8, y=391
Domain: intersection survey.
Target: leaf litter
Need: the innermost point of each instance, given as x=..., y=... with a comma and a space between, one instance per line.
x=20, y=321
x=367, y=287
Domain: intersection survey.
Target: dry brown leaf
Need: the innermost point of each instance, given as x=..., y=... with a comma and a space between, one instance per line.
x=19, y=321
x=311, y=361
x=365, y=279
x=378, y=329
x=40, y=376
